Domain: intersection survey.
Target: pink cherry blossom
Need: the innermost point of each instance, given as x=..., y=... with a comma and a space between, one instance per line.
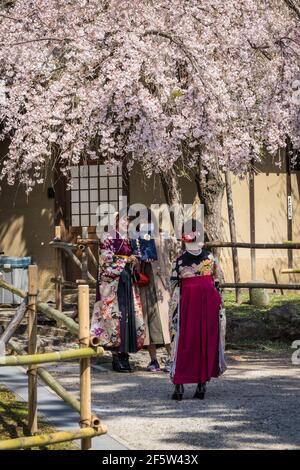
x=150, y=82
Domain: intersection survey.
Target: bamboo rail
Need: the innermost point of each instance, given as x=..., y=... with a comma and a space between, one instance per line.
x=68, y=248
x=12, y=289
x=54, y=314
x=55, y=385
x=49, y=380
x=56, y=356
x=50, y=312
x=52, y=438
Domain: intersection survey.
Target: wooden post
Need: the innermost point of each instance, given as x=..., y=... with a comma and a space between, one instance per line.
x=252, y=220
x=235, y=259
x=32, y=347
x=85, y=366
x=289, y=201
x=58, y=271
x=84, y=262
x=276, y=279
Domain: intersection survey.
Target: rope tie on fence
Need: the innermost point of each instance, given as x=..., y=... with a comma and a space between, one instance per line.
x=85, y=423
x=84, y=341
x=32, y=371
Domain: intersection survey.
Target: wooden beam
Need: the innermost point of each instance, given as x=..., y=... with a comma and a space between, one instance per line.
x=260, y=285
x=231, y=219
x=32, y=347
x=84, y=259
x=289, y=202
x=252, y=220
x=265, y=246
x=290, y=271
x=58, y=270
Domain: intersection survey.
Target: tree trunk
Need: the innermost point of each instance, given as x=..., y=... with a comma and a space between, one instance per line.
x=173, y=196
x=210, y=189
x=171, y=187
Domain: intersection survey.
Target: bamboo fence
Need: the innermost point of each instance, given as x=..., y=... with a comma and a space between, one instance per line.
x=90, y=425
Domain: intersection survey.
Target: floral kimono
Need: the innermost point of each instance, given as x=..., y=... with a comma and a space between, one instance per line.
x=198, y=320
x=117, y=317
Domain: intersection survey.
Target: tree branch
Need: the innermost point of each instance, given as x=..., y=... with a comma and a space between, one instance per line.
x=292, y=5
x=35, y=40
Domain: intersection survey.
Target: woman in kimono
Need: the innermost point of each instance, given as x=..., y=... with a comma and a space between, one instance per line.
x=117, y=317
x=155, y=294
x=198, y=319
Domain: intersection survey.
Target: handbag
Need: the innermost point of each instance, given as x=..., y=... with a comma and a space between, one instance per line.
x=141, y=279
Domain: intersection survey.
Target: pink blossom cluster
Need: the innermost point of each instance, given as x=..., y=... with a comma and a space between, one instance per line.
x=157, y=82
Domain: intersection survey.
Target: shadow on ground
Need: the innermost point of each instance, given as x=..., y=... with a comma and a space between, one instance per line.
x=254, y=405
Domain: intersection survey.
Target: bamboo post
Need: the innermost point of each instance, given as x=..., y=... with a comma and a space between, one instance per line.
x=85, y=366
x=58, y=271
x=32, y=347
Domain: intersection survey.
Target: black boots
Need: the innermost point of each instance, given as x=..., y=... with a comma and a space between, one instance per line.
x=178, y=392
x=121, y=363
x=200, y=391
x=126, y=362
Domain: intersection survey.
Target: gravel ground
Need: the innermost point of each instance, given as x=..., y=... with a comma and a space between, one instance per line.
x=255, y=405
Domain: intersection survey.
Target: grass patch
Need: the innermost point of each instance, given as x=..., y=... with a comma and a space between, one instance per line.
x=13, y=421
x=245, y=309
x=250, y=344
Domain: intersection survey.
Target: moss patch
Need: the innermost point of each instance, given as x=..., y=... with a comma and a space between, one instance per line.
x=271, y=328
x=248, y=310
x=13, y=421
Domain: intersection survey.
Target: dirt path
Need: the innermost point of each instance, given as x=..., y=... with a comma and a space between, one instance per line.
x=256, y=405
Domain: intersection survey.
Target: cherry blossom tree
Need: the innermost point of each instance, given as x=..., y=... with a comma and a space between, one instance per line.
x=173, y=85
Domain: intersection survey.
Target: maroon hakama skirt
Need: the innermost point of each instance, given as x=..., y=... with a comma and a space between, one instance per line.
x=197, y=356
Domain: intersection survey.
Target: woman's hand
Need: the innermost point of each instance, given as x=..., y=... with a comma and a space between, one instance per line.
x=132, y=259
